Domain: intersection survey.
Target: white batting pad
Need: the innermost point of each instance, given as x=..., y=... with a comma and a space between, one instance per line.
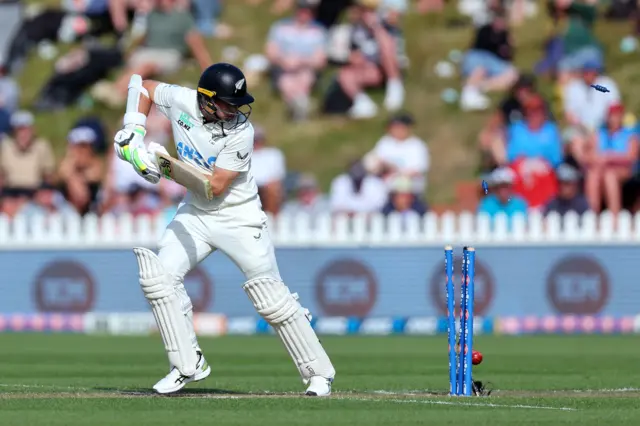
x=168, y=311
x=275, y=303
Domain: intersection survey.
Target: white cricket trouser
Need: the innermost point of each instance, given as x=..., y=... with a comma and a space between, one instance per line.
x=240, y=232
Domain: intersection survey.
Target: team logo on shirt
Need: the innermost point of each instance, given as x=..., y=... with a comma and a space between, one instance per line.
x=241, y=157
x=185, y=121
x=191, y=155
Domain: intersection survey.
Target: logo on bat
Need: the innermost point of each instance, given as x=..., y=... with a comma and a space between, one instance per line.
x=165, y=167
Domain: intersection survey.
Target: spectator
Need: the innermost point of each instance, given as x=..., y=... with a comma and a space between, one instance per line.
x=569, y=196
x=13, y=200
x=26, y=161
x=502, y=198
x=81, y=170
x=308, y=198
x=296, y=49
x=46, y=201
x=511, y=110
x=357, y=191
x=373, y=60
x=487, y=65
x=585, y=108
x=400, y=152
x=269, y=170
x=579, y=44
x=170, y=35
x=535, y=137
x=403, y=198
x=610, y=159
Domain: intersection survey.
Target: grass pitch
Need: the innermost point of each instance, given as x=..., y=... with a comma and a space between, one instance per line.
x=89, y=380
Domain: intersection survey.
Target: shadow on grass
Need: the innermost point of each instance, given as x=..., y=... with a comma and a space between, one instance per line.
x=182, y=392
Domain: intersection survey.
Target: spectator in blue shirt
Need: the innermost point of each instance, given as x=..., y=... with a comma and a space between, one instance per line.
x=535, y=136
x=610, y=157
x=501, y=199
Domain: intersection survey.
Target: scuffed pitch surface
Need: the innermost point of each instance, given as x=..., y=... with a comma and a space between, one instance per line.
x=80, y=380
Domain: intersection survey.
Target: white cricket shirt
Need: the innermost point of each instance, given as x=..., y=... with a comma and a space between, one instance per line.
x=206, y=146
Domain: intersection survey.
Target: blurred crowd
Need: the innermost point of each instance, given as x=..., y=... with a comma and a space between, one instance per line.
x=577, y=151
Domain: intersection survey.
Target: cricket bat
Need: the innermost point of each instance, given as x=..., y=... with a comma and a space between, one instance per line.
x=184, y=174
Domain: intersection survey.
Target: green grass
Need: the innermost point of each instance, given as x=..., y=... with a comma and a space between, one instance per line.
x=90, y=380
x=324, y=146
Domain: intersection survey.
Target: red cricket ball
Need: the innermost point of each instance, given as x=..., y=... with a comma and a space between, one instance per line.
x=476, y=357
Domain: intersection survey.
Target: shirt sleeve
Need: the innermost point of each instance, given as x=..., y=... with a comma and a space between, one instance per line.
x=47, y=159
x=166, y=95
x=237, y=152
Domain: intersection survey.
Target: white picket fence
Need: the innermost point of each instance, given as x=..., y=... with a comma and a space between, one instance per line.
x=109, y=231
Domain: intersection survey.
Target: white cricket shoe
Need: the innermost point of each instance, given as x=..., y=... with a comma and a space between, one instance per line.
x=174, y=381
x=319, y=386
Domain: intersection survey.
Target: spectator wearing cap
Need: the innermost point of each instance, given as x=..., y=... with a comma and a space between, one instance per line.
x=269, y=169
x=373, y=62
x=534, y=137
x=487, y=66
x=570, y=197
x=47, y=201
x=403, y=198
x=502, y=199
x=81, y=170
x=308, y=198
x=357, y=191
x=13, y=200
x=400, y=152
x=610, y=158
x=296, y=49
x=26, y=160
x=585, y=108
x=510, y=111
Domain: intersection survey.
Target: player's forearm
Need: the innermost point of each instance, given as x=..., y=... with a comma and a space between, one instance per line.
x=220, y=180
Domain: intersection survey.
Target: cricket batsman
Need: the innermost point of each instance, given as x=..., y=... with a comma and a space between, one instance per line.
x=212, y=132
